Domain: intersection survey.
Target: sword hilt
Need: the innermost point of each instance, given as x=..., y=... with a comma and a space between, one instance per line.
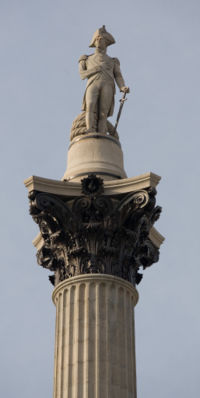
x=122, y=100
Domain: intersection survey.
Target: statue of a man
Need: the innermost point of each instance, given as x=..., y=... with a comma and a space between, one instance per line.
x=101, y=71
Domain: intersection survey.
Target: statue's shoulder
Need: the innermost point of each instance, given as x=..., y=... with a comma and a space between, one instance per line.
x=83, y=58
x=116, y=61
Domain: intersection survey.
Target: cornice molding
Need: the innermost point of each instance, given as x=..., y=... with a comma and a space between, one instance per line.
x=111, y=187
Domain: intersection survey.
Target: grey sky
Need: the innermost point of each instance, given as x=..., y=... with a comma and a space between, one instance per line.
x=157, y=43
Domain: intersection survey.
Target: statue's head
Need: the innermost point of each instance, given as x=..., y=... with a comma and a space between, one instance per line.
x=102, y=38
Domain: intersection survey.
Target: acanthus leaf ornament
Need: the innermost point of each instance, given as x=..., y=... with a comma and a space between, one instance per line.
x=96, y=233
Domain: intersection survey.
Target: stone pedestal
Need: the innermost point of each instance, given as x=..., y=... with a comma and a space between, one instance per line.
x=95, y=153
x=94, y=350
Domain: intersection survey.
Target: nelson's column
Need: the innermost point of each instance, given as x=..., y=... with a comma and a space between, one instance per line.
x=96, y=233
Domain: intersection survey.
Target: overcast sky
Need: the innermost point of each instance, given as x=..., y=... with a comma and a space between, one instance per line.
x=157, y=43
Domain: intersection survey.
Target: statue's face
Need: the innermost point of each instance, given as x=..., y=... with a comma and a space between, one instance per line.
x=100, y=42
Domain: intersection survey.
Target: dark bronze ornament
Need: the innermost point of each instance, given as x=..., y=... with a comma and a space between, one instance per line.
x=92, y=185
x=95, y=233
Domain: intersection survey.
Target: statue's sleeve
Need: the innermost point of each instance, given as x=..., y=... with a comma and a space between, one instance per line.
x=84, y=72
x=117, y=74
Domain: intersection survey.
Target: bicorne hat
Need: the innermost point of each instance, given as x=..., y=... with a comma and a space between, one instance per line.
x=102, y=32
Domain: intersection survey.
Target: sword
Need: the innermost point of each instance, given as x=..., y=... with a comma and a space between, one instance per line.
x=122, y=100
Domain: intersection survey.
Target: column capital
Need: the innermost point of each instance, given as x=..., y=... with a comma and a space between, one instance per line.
x=96, y=233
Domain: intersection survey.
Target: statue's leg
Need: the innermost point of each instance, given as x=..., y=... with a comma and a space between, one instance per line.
x=91, y=99
x=105, y=102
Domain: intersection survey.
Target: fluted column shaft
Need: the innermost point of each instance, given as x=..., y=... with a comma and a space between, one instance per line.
x=95, y=343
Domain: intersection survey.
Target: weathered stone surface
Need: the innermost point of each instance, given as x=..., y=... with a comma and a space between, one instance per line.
x=95, y=233
x=95, y=338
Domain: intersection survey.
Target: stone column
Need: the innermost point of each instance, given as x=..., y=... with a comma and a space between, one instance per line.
x=95, y=343
x=96, y=241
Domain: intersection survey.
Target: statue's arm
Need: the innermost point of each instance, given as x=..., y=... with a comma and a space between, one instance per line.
x=84, y=72
x=118, y=76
